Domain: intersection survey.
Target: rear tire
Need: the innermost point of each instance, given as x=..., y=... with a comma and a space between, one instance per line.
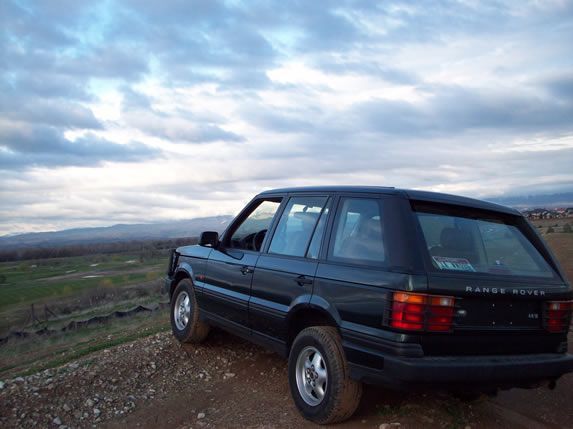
x=185, y=322
x=319, y=377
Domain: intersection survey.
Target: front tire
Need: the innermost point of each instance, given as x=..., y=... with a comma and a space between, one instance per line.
x=319, y=377
x=185, y=322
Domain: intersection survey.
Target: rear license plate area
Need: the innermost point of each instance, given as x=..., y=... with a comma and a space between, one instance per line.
x=486, y=314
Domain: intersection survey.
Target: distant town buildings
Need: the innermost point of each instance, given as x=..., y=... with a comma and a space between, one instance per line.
x=542, y=213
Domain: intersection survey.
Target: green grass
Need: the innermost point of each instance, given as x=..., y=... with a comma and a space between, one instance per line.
x=33, y=281
x=76, y=288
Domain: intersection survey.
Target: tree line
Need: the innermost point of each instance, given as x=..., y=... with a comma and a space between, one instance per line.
x=143, y=246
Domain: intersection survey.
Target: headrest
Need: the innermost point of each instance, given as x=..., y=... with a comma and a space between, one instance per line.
x=306, y=216
x=371, y=228
x=455, y=238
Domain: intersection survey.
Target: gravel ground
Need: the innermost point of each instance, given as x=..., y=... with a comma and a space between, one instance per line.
x=112, y=383
x=226, y=382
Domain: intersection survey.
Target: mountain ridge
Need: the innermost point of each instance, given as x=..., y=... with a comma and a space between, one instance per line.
x=193, y=227
x=117, y=233
x=560, y=199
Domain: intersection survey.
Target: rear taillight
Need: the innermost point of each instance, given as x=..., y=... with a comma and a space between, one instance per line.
x=421, y=312
x=557, y=315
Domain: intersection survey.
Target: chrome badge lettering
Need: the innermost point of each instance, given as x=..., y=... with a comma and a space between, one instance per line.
x=504, y=291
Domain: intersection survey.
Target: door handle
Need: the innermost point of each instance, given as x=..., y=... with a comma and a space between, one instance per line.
x=245, y=269
x=302, y=280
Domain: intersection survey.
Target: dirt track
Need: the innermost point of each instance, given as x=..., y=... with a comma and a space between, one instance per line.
x=154, y=382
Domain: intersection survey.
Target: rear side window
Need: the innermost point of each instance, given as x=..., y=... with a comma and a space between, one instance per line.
x=359, y=232
x=483, y=245
x=296, y=225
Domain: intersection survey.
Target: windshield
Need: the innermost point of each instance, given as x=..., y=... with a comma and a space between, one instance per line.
x=493, y=246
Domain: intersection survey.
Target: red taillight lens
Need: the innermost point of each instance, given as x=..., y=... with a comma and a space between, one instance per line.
x=557, y=315
x=417, y=312
x=440, y=318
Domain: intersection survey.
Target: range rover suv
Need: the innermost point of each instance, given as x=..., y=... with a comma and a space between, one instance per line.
x=403, y=288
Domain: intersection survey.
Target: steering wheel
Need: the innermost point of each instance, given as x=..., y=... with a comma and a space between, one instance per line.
x=258, y=239
x=247, y=242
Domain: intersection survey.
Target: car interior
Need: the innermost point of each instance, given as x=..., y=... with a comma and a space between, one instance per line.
x=366, y=242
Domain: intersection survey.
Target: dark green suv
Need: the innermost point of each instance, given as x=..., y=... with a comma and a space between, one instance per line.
x=407, y=289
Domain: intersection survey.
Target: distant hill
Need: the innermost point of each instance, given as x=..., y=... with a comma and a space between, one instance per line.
x=564, y=199
x=193, y=227
x=116, y=233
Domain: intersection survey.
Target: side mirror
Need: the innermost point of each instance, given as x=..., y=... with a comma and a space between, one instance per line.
x=209, y=239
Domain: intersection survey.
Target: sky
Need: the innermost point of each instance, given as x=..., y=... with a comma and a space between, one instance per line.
x=126, y=111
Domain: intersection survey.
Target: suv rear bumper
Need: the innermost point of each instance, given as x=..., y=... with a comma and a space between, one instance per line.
x=384, y=367
x=483, y=370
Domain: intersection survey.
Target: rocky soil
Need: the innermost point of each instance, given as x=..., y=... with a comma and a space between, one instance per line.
x=113, y=383
x=226, y=382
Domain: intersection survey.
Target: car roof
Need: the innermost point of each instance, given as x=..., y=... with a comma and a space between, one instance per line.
x=426, y=196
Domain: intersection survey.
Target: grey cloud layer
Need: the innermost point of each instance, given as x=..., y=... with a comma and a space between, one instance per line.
x=57, y=57
x=452, y=110
x=46, y=146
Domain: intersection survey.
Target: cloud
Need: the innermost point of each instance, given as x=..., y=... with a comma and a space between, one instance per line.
x=28, y=83
x=134, y=100
x=198, y=40
x=453, y=109
x=124, y=62
x=41, y=146
x=191, y=107
x=560, y=86
x=349, y=66
x=178, y=128
x=59, y=113
x=273, y=119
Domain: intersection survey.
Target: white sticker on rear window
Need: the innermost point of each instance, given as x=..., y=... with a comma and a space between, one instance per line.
x=456, y=264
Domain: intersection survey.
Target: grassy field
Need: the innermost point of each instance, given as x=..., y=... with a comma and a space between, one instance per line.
x=75, y=287
x=544, y=223
x=562, y=246
x=33, y=281
x=555, y=225
x=560, y=243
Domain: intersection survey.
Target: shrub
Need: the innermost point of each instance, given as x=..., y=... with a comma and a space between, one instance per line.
x=567, y=228
x=550, y=230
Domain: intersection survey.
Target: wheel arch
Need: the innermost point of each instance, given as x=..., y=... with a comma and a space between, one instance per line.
x=317, y=312
x=183, y=271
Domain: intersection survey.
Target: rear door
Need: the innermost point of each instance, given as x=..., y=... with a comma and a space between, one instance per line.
x=284, y=273
x=500, y=273
x=231, y=266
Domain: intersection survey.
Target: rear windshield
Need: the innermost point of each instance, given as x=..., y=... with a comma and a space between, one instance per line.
x=481, y=245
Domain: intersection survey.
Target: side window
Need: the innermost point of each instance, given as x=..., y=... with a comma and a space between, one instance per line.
x=250, y=234
x=297, y=225
x=359, y=232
